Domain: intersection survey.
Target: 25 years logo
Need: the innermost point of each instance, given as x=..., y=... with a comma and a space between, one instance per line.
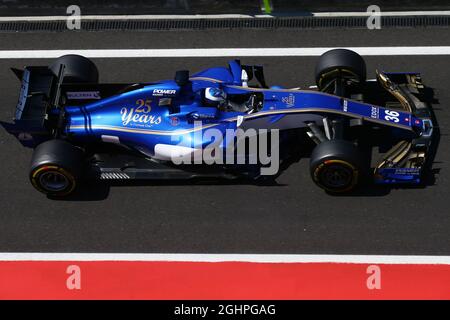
x=139, y=115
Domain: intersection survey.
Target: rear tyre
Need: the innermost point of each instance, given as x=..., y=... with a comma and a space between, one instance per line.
x=337, y=166
x=56, y=167
x=78, y=69
x=340, y=63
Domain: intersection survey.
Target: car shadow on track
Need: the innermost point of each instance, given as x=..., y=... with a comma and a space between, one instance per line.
x=96, y=191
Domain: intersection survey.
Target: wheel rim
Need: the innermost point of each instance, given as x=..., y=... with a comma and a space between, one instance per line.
x=337, y=176
x=327, y=78
x=53, y=181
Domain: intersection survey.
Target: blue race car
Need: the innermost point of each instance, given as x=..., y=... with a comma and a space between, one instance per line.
x=82, y=129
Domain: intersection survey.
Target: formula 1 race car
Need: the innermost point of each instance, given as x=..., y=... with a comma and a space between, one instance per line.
x=82, y=129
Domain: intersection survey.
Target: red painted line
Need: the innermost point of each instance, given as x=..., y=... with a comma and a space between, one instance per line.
x=220, y=280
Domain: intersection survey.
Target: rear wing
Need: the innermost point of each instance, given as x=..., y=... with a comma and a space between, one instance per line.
x=40, y=113
x=39, y=91
x=35, y=94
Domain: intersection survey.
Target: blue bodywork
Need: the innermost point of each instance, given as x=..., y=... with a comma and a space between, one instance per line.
x=169, y=114
x=165, y=112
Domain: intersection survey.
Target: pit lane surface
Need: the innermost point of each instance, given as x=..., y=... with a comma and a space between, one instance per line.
x=291, y=217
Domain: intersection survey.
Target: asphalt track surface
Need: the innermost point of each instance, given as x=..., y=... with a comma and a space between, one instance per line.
x=292, y=217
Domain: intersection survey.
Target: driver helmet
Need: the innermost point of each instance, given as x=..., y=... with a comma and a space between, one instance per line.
x=215, y=96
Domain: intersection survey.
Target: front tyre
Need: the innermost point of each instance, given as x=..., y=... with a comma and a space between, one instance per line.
x=340, y=64
x=337, y=166
x=56, y=167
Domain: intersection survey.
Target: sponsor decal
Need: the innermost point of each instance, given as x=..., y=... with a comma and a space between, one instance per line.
x=130, y=116
x=407, y=171
x=143, y=106
x=202, y=116
x=164, y=92
x=345, y=105
x=164, y=102
x=374, y=113
x=23, y=94
x=174, y=121
x=83, y=95
x=139, y=116
x=289, y=100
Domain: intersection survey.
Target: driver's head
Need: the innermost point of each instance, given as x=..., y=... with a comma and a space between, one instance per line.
x=215, y=96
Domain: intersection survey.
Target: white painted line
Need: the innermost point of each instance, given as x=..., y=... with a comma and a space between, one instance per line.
x=219, y=52
x=137, y=17
x=223, y=16
x=382, y=13
x=259, y=258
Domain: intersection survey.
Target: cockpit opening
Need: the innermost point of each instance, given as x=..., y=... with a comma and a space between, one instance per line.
x=248, y=103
